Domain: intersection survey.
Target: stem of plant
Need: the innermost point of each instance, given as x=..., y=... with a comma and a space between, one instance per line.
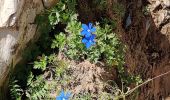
x=146, y=82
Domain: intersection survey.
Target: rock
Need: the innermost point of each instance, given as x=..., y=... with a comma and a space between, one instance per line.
x=161, y=15
x=128, y=21
x=166, y=3
x=166, y=29
x=156, y=4
x=8, y=13
x=17, y=28
x=167, y=98
x=50, y=3
x=8, y=39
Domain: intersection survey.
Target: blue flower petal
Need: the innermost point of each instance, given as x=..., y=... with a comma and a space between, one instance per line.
x=84, y=40
x=90, y=25
x=93, y=29
x=88, y=45
x=58, y=98
x=85, y=27
x=62, y=94
x=92, y=37
x=68, y=95
x=88, y=34
x=84, y=32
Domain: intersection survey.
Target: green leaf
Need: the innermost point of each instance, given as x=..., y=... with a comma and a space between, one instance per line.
x=41, y=64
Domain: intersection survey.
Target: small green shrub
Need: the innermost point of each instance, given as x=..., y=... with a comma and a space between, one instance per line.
x=59, y=41
x=62, y=12
x=108, y=47
x=36, y=88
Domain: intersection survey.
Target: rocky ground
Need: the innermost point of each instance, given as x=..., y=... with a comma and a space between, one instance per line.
x=160, y=12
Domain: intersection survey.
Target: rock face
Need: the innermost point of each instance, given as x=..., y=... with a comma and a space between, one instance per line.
x=17, y=28
x=160, y=11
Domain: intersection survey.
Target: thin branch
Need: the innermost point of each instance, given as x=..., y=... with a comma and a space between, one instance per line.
x=128, y=93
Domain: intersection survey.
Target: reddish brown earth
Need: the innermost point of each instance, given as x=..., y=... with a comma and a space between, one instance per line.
x=149, y=53
x=147, y=39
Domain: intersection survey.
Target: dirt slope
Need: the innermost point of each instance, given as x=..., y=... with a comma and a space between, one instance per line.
x=147, y=38
x=149, y=48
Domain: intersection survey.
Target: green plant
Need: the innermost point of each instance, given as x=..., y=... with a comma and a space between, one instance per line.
x=41, y=64
x=84, y=96
x=108, y=46
x=146, y=10
x=60, y=68
x=59, y=41
x=110, y=22
x=62, y=12
x=36, y=88
x=15, y=90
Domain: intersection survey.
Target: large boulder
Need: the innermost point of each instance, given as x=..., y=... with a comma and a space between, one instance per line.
x=17, y=28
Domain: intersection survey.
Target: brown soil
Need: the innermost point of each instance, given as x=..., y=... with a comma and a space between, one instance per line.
x=91, y=78
x=148, y=47
x=148, y=51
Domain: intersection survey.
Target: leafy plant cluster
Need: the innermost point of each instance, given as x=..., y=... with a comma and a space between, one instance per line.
x=27, y=83
x=35, y=90
x=36, y=86
x=63, y=12
x=108, y=47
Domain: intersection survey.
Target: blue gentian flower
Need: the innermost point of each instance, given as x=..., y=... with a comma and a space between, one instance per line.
x=87, y=30
x=63, y=96
x=89, y=41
